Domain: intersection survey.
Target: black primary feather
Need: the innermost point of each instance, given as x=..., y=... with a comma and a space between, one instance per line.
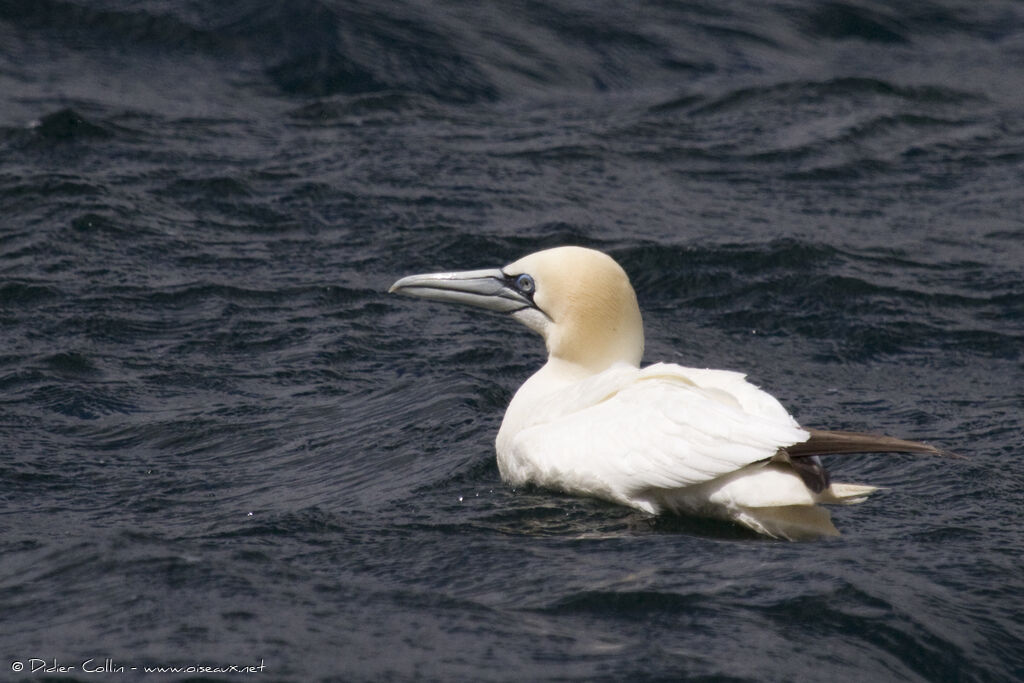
x=803, y=457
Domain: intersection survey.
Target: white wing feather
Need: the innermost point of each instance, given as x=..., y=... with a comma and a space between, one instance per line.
x=626, y=433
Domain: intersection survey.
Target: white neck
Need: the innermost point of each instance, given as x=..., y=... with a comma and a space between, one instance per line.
x=556, y=374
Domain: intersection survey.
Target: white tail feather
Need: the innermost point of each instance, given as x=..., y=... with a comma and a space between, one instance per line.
x=846, y=494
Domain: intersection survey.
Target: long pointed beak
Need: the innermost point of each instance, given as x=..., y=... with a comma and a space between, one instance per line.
x=488, y=289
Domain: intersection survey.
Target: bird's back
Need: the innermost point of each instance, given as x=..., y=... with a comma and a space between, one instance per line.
x=625, y=433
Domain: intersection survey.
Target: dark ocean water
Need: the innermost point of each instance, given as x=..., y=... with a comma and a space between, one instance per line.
x=222, y=443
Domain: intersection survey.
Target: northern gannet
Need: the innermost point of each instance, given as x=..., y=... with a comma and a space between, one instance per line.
x=662, y=438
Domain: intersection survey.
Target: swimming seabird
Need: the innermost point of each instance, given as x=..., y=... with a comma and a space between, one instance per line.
x=662, y=438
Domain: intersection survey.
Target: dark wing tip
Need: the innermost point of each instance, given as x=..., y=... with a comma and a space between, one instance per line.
x=803, y=457
x=824, y=442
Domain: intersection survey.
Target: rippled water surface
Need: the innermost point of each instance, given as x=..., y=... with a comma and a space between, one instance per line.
x=222, y=443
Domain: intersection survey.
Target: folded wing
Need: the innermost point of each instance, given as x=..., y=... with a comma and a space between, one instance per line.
x=625, y=432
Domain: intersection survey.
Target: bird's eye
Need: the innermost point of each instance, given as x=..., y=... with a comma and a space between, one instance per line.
x=525, y=284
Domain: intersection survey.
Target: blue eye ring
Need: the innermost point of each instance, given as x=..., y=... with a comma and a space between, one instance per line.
x=525, y=284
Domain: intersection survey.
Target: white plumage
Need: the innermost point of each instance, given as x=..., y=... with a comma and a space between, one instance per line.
x=664, y=438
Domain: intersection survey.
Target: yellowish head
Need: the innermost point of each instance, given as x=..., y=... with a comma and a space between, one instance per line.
x=579, y=300
x=593, y=317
